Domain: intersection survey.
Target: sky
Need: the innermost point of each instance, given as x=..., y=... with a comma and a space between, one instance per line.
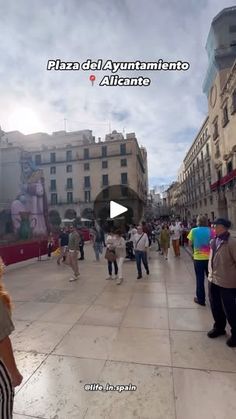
x=165, y=116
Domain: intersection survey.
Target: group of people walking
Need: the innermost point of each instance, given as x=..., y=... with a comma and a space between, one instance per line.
x=214, y=256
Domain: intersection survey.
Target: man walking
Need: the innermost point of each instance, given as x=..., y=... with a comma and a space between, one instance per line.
x=141, y=244
x=63, y=244
x=73, y=247
x=175, y=231
x=222, y=281
x=199, y=239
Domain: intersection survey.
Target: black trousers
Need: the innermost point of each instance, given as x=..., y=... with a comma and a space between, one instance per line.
x=201, y=269
x=81, y=249
x=223, y=307
x=6, y=393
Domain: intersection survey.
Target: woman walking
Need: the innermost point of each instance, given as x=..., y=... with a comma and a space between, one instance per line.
x=98, y=240
x=165, y=240
x=10, y=377
x=120, y=254
x=111, y=255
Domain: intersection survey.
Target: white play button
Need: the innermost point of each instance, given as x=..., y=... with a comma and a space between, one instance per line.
x=116, y=209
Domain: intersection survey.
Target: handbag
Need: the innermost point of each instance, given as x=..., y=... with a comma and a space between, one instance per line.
x=110, y=255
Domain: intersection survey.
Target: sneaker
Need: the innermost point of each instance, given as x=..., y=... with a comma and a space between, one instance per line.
x=231, y=342
x=139, y=277
x=166, y=258
x=214, y=333
x=108, y=278
x=198, y=302
x=74, y=278
x=148, y=272
x=118, y=281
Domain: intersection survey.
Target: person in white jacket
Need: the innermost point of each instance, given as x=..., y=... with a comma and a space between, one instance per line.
x=141, y=244
x=120, y=254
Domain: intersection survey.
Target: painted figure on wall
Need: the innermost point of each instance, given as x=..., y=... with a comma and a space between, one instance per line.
x=29, y=211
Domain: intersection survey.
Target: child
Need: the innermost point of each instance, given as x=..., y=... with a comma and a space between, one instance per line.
x=10, y=377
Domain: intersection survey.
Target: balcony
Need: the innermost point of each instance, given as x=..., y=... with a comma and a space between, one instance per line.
x=215, y=135
x=52, y=188
x=69, y=187
x=228, y=178
x=87, y=187
x=207, y=157
x=65, y=202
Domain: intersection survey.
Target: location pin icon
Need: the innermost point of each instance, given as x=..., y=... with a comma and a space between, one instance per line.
x=92, y=78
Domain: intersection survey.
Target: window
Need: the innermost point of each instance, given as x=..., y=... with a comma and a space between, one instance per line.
x=209, y=169
x=232, y=28
x=104, y=151
x=205, y=202
x=217, y=155
x=38, y=159
x=69, y=155
x=105, y=193
x=69, y=197
x=86, y=153
x=123, y=149
x=52, y=157
x=123, y=162
x=229, y=167
x=233, y=106
x=87, y=181
x=219, y=174
x=53, y=199
x=86, y=166
x=225, y=116
x=53, y=170
x=69, y=183
x=207, y=150
x=124, y=191
x=87, y=197
x=124, y=178
x=53, y=185
x=104, y=164
x=215, y=130
x=104, y=180
x=69, y=168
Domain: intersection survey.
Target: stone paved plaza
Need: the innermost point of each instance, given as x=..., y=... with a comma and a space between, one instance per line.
x=148, y=333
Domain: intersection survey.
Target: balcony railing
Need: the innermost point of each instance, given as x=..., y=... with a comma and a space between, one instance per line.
x=87, y=187
x=69, y=187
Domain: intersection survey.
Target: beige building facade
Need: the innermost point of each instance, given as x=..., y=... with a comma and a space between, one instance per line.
x=207, y=177
x=76, y=168
x=196, y=195
x=76, y=173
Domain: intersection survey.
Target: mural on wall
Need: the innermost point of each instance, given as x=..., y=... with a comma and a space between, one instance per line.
x=29, y=211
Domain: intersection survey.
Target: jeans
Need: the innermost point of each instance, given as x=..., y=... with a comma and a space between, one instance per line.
x=109, y=265
x=201, y=268
x=140, y=257
x=74, y=262
x=120, y=262
x=98, y=248
x=223, y=306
